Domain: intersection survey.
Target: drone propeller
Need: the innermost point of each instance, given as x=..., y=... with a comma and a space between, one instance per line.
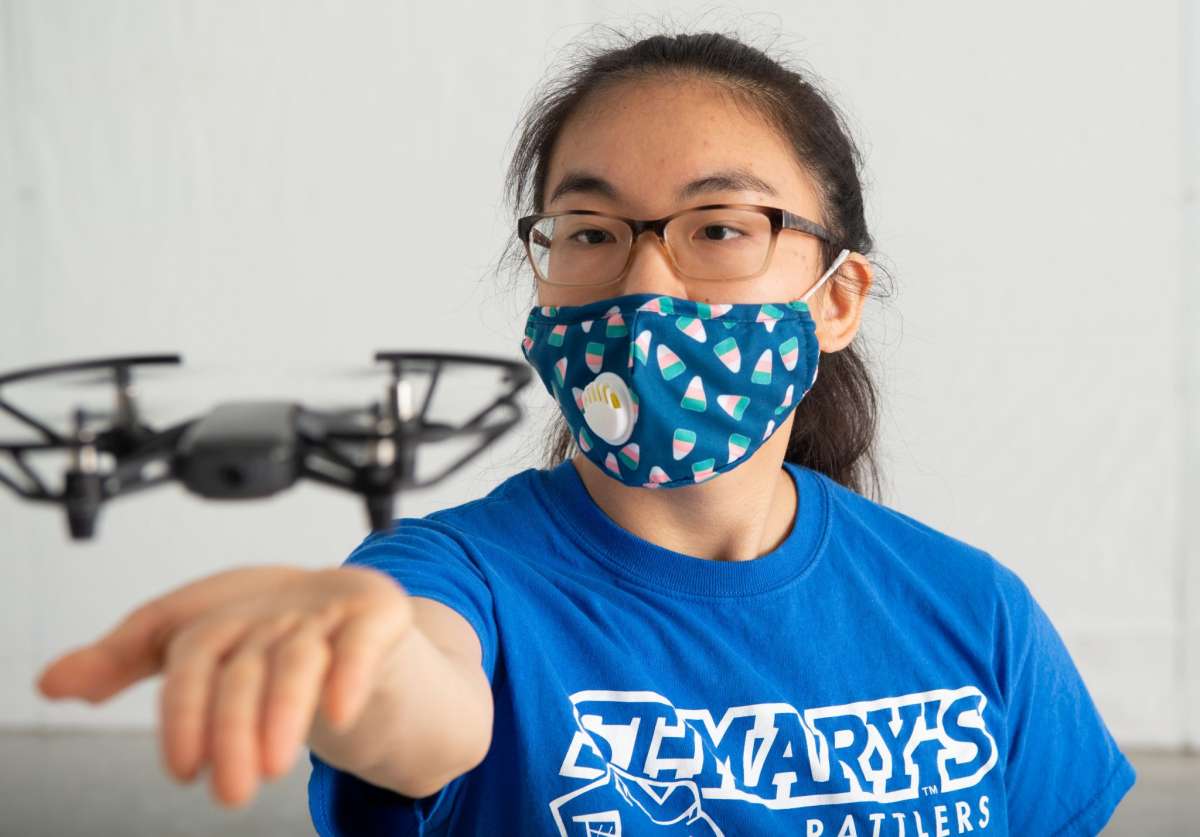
x=84, y=486
x=120, y=376
x=92, y=379
x=399, y=426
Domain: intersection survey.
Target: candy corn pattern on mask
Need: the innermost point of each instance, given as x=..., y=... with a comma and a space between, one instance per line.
x=662, y=392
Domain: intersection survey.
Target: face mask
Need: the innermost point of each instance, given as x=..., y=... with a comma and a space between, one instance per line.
x=662, y=392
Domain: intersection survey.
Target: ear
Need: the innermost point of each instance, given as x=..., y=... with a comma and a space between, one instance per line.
x=837, y=307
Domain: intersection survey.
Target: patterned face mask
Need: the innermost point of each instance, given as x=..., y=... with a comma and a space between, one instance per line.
x=662, y=392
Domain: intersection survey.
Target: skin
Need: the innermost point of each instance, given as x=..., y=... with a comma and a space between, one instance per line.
x=648, y=139
x=257, y=661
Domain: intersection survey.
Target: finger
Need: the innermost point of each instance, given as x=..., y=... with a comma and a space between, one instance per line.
x=358, y=648
x=233, y=727
x=187, y=690
x=127, y=654
x=296, y=670
x=135, y=648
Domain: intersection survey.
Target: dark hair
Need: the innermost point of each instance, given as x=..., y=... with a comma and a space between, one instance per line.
x=835, y=425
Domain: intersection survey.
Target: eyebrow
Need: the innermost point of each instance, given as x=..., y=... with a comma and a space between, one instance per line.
x=726, y=180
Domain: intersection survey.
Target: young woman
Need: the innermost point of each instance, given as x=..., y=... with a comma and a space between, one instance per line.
x=695, y=621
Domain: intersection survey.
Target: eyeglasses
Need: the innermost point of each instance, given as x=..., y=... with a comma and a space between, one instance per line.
x=584, y=247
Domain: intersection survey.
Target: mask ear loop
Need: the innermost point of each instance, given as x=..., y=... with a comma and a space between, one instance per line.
x=832, y=269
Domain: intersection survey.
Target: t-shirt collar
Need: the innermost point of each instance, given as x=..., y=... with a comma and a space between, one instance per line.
x=598, y=535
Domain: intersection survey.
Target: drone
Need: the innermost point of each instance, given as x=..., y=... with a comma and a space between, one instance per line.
x=251, y=449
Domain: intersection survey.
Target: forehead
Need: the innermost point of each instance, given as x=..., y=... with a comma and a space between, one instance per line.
x=649, y=139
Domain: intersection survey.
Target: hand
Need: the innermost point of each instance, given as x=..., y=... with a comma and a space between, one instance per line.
x=247, y=654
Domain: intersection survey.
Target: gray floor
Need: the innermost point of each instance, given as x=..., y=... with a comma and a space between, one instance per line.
x=61, y=784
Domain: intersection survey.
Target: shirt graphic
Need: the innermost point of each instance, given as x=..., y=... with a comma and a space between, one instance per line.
x=642, y=759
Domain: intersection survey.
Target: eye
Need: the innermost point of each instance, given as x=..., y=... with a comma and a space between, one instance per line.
x=712, y=232
x=595, y=236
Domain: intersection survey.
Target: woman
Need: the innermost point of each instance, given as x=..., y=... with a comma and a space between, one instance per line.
x=694, y=622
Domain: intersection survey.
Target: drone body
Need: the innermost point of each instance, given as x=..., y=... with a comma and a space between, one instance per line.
x=241, y=449
x=249, y=449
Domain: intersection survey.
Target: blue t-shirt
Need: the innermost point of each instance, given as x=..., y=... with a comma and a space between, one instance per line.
x=870, y=677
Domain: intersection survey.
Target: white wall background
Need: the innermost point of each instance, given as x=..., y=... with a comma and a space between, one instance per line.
x=255, y=185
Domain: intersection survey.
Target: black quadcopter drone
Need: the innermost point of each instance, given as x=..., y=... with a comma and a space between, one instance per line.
x=248, y=449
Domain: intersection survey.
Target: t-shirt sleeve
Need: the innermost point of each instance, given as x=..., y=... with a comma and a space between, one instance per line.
x=429, y=559
x=1065, y=774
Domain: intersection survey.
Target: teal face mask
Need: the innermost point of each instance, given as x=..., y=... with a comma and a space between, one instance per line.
x=662, y=392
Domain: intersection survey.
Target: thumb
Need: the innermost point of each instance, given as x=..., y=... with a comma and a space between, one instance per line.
x=130, y=652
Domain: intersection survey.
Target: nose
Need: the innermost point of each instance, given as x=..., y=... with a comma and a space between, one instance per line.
x=651, y=271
